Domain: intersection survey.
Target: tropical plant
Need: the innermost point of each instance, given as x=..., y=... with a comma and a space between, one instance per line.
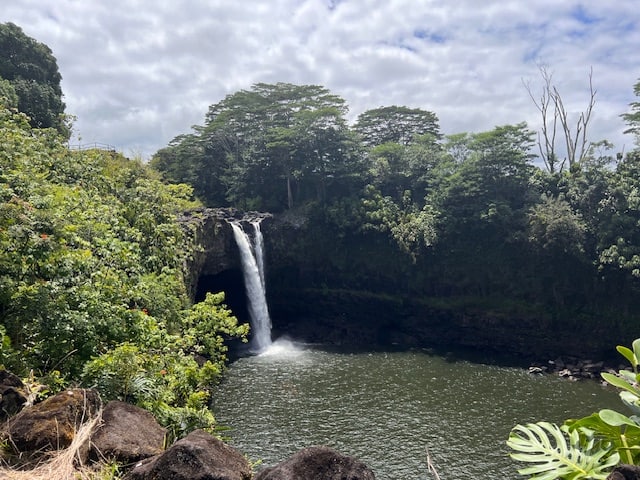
x=588, y=447
x=556, y=452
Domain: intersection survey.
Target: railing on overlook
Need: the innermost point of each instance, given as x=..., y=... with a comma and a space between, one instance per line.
x=93, y=146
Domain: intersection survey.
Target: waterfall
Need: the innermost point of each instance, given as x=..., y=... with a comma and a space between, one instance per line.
x=258, y=241
x=253, y=271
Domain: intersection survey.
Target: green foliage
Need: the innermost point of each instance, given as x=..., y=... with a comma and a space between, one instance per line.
x=553, y=226
x=270, y=148
x=618, y=235
x=596, y=443
x=411, y=228
x=89, y=241
x=92, y=282
x=8, y=356
x=161, y=372
x=545, y=446
x=8, y=95
x=399, y=125
x=617, y=430
x=32, y=71
x=473, y=212
x=632, y=118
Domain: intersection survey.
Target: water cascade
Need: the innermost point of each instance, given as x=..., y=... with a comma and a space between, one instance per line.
x=252, y=258
x=258, y=242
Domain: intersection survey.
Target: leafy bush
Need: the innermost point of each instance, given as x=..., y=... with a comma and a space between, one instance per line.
x=161, y=373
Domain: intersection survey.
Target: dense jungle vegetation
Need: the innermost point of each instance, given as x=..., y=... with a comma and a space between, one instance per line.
x=468, y=215
x=92, y=281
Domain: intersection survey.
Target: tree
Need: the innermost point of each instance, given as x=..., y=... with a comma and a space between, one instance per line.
x=556, y=235
x=633, y=117
x=554, y=116
x=619, y=237
x=395, y=124
x=32, y=70
x=482, y=197
x=197, y=161
x=8, y=96
x=270, y=147
x=490, y=184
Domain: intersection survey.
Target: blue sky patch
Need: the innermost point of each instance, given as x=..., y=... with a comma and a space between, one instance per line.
x=432, y=37
x=580, y=13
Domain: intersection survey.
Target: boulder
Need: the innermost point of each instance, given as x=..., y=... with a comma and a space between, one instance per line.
x=198, y=456
x=12, y=396
x=127, y=434
x=625, y=472
x=318, y=463
x=51, y=424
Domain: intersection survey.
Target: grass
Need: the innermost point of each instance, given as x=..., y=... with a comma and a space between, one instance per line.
x=66, y=464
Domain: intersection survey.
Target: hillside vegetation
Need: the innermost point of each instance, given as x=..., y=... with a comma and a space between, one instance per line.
x=92, y=284
x=396, y=207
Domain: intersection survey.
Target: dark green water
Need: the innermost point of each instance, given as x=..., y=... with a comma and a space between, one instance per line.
x=387, y=408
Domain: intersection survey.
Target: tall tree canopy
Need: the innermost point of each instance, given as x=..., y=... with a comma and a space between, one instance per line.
x=272, y=146
x=395, y=124
x=32, y=70
x=633, y=117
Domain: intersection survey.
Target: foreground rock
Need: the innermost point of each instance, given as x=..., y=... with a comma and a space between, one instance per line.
x=318, y=463
x=198, y=456
x=12, y=396
x=52, y=424
x=625, y=472
x=127, y=434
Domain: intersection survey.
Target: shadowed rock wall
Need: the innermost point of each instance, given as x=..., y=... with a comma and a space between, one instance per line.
x=359, y=291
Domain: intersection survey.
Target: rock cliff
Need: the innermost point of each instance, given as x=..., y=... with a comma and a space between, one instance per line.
x=329, y=288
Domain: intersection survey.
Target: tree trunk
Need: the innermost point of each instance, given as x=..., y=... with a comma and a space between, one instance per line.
x=289, y=193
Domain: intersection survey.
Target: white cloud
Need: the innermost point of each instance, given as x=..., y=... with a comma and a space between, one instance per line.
x=136, y=74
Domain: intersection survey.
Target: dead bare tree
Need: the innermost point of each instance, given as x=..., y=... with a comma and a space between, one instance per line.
x=554, y=116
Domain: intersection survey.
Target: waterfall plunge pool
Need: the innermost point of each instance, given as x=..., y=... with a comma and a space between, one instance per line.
x=386, y=408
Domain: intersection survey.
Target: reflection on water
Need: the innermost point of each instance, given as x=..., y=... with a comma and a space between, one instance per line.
x=387, y=408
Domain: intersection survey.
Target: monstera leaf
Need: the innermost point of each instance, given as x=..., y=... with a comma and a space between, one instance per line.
x=622, y=433
x=556, y=453
x=628, y=381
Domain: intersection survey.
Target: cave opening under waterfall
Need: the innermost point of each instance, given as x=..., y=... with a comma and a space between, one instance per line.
x=230, y=282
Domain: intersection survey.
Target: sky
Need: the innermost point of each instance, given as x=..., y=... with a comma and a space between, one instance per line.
x=137, y=73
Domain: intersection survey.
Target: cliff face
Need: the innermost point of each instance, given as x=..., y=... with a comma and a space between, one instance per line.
x=358, y=291
x=216, y=252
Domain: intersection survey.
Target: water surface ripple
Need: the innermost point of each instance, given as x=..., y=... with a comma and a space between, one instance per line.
x=387, y=408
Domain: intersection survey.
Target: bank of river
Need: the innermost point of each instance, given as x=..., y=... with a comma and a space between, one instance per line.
x=386, y=408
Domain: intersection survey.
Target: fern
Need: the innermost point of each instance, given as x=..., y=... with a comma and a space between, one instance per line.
x=556, y=453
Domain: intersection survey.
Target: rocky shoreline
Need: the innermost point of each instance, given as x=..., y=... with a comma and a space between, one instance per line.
x=71, y=434
x=574, y=369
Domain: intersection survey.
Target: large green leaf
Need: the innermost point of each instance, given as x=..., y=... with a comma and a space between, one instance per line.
x=619, y=431
x=554, y=453
x=619, y=382
x=613, y=418
x=636, y=351
x=628, y=354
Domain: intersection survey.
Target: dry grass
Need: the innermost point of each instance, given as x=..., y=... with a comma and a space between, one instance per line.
x=431, y=468
x=64, y=464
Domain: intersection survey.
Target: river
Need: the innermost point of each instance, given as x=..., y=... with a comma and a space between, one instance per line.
x=387, y=408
